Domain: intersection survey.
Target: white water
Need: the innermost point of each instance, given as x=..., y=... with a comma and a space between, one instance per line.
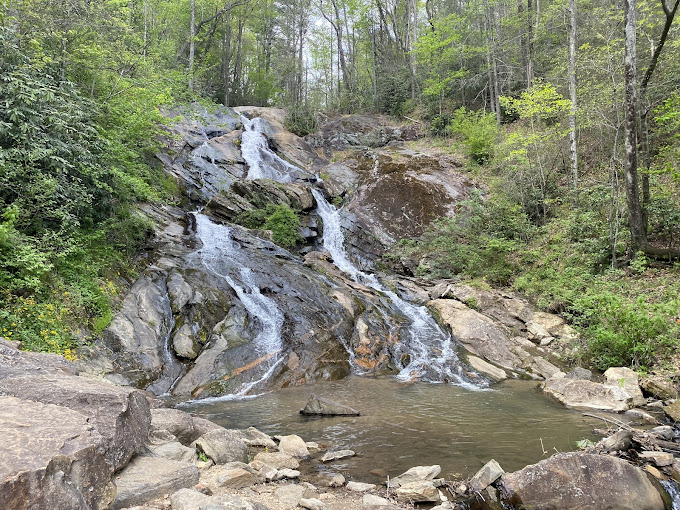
x=263, y=163
x=430, y=349
x=673, y=490
x=222, y=256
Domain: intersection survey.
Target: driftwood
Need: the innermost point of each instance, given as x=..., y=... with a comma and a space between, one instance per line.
x=613, y=421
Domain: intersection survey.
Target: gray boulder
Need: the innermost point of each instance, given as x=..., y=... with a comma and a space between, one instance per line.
x=327, y=407
x=277, y=460
x=178, y=423
x=51, y=458
x=147, y=478
x=575, y=481
x=293, y=445
x=415, y=474
x=588, y=395
x=120, y=415
x=223, y=445
x=628, y=380
x=488, y=474
x=14, y=362
x=421, y=491
x=337, y=455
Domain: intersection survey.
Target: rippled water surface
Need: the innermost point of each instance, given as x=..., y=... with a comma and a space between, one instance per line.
x=403, y=425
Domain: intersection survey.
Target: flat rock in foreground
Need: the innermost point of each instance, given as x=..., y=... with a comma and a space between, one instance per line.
x=575, y=481
x=51, y=458
x=147, y=478
x=323, y=406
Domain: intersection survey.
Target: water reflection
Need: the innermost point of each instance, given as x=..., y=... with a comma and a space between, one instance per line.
x=403, y=425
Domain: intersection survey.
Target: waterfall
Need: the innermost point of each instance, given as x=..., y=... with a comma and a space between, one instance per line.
x=222, y=256
x=263, y=163
x=431, y=352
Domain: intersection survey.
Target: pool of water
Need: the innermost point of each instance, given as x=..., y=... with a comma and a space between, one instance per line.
x=403, y=425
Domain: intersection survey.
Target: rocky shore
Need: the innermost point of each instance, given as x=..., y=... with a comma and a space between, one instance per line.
x=78, y=443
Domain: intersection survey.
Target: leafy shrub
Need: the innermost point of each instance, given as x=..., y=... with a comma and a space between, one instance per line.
x=300, y=119
x=280, y=219
x=479, y=130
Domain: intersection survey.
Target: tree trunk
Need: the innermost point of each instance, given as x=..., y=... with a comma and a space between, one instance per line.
x=635, y=223
x=192, y=44
x=491, y=55
x=573, y=153
x=226, y=58
x=530, y=44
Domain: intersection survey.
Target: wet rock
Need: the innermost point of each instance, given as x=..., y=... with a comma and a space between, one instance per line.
x=277, y=460
x=51, y=458
x=312, y=504
x=487, y=369
x=223, y=445
x=619, y=441
x=643, y=416
x=659, y=459
x=421, y=491
x=628, y=380
x=360, y=487
x=146, y=478
x=673, y=411
x=328, y=407
x=579, y=373
x=574, y=481
x=336, y=455
x=293, y=445
x=488, y=474
x=477, y=333
x=415, y=474
x=588, y=395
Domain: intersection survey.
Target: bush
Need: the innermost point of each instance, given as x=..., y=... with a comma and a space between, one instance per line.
x=300, y=119
x=479, y=130
x=280, y=219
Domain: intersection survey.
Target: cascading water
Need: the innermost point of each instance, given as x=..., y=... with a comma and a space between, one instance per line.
x=673, y=489
x=431, y=353
x=263, y=163
x=221, y=255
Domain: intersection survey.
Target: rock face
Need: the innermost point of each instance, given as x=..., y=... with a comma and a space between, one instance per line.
x=588, y=395
x=51, y=458
x=120, y=415
x=574, y=481
x=327, y=407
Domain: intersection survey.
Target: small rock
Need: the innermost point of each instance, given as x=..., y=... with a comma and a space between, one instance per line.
x=644, y=416
x=203, y=489
x=173, y=450
x=340, y=454
x=488, y=474
x=327, y=407
x=372, y=499
x=664, y=432
x=277, y=460
x=255, y=437
x=311, y=445
x=620, y=441
x=360, y=487
x=293, y=445
x=283, y=474
x=290, y=495
x=312, y=504
x=264, y=471
x=660, y=459
x=189, y=499
x=333, y=480
x=417, y=473
x=421, y=491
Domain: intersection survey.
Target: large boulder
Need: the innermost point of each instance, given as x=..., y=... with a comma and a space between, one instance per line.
x=223, y=445
x=14, y=362
x=51, y=457
x=575, y=481
x=583, y=394
x=120, y=415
